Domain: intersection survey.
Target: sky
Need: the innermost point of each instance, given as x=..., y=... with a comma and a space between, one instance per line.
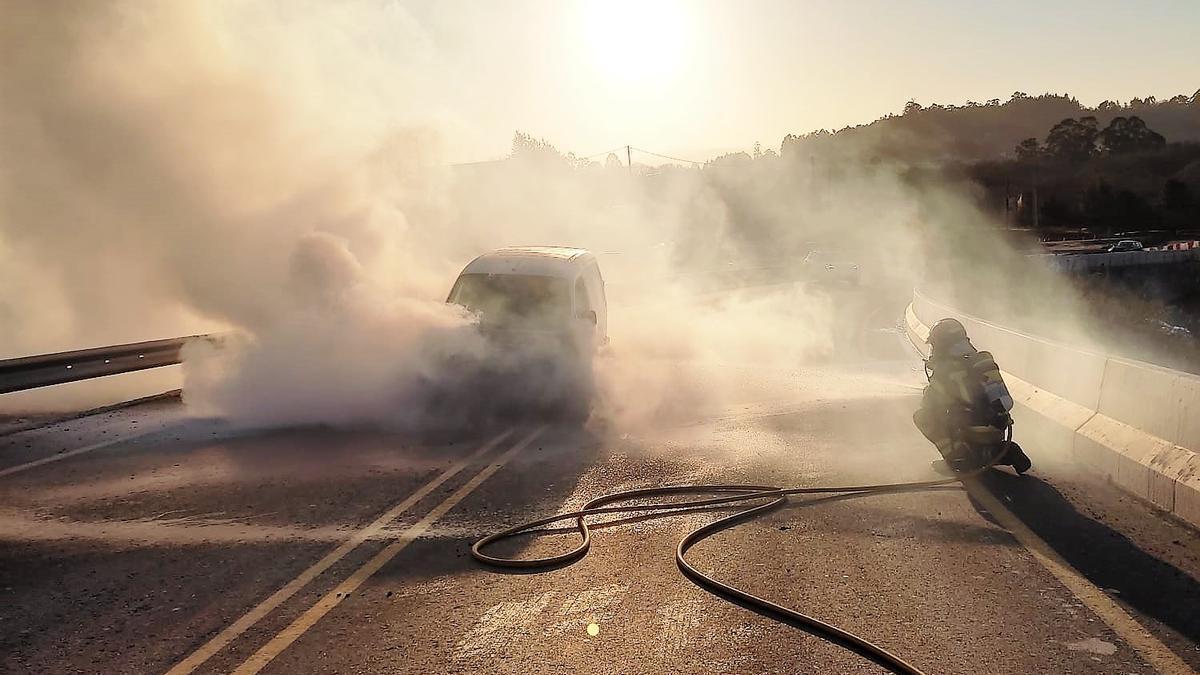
x=696, y=77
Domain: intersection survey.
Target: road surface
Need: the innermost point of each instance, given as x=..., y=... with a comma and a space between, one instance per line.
x=142, y=541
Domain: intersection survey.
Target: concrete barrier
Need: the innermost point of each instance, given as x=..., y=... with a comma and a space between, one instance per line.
x=1090, y=262
x=1073, y=374
x=1135, y=423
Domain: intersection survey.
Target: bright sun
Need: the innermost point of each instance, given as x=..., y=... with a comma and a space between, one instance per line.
x=632, y=41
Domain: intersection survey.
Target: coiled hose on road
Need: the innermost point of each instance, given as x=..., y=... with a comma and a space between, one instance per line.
x=775, y=496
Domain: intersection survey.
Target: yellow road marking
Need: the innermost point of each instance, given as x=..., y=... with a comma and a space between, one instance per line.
x=333, y=598
x=277, y=598
x=1158, y=655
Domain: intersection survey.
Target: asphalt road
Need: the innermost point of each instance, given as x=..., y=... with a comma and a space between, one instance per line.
x=176, y=543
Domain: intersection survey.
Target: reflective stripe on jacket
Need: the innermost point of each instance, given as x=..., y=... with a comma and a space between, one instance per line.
x=971, y=381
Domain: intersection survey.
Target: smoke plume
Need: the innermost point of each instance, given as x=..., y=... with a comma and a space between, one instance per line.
x=269, y=170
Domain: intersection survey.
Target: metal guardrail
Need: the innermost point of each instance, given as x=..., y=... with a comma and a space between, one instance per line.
x=30, y=372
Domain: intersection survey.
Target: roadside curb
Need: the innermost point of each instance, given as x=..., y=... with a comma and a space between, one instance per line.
x=1150, y=467
x=51, y=420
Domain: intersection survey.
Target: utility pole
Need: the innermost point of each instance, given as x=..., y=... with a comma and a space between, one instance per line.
x=1008, y=219
x=1035, y=201
x=629, y=159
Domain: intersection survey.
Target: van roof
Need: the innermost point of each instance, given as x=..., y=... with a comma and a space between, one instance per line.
x=553, y=261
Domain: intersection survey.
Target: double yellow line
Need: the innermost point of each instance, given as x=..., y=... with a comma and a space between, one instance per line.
x=310, y=617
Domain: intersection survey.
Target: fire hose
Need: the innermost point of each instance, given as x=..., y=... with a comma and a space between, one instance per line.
x=774, y=498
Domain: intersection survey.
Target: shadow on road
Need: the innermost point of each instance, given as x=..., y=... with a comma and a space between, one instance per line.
x=1103, y=555
x=538, y=482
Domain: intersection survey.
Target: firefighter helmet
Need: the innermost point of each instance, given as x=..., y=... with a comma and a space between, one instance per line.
x=946, y=332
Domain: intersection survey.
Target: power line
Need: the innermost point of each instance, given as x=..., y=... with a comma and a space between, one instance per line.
x=606, y=152
x=641, y=150
x=673, y=159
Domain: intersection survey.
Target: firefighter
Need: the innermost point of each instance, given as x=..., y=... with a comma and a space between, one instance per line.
x=965, y=409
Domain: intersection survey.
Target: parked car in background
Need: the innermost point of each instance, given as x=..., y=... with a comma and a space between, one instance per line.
x=1125, y=245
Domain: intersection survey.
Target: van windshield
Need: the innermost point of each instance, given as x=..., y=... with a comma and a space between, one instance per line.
x=536, y=301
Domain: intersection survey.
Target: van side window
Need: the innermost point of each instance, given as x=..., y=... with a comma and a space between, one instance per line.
x=594, y=269
x=582, y=302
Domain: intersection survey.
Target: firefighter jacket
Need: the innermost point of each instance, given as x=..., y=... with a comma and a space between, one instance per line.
x=971, y=386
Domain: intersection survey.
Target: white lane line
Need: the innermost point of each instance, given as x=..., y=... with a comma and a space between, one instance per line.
x=78, y=451
x=333, y=598
x=277, y=598
x=1158, y=655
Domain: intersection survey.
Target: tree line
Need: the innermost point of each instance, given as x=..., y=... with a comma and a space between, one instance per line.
x=1045, y=161
x=984, y=131
x=1078, y=139
x=1123, y=177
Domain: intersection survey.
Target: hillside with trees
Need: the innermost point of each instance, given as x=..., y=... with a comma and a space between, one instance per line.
x=985, y=131
x=1046, y=161
x=1121, y=177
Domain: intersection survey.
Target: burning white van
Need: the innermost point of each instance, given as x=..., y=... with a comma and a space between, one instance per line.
x=545, y=308
x=536, y=292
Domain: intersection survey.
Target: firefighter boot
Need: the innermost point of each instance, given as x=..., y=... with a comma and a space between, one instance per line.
x=1017, y=458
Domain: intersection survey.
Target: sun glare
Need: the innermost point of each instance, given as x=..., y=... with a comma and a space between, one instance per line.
x=631, y=41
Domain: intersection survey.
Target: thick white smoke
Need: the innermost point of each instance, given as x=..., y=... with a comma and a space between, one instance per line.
x=185, y=167
x=269, y=169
